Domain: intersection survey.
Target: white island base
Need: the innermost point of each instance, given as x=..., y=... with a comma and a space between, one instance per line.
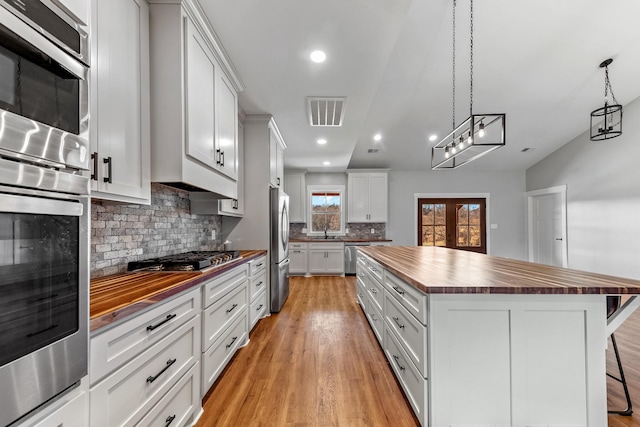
x=517, y=360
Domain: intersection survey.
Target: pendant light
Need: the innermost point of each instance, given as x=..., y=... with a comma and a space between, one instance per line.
x=479, y=134
x=606, y=122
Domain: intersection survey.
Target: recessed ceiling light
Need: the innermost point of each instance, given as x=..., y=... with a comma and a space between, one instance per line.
x=318, y=56
x=326, y=163
x=322, y=141
x=433, y=137
x=377, y=137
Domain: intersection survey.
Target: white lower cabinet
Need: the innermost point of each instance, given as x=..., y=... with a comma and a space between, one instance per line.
x=257, y=290
x=225, y=321
x=412, y=381
x=127, y=395
x=326, y=258
x=298, y=253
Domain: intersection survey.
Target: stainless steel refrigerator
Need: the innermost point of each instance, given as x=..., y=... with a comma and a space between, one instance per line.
x=279, y=248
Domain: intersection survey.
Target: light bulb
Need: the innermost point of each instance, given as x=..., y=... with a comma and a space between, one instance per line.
x=470, y=139
x=446, y=152
x=453, y=149
x=481, y=131
x=461, y=143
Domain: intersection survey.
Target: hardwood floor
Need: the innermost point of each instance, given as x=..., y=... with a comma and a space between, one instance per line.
x=317, y=363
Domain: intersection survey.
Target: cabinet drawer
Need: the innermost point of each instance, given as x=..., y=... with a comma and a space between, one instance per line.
x=124, y=397
x=375, y=270
x=255, y=265
x=219, y=316
x=375, y=291
x=412, y=382
x=411, y=333
x=411, y=298
x=216, y=288
x=112, y=347
x=178, y=406
x=327, y=246
x=361, y=293
x=217, y=357
x=257, y=283
x=257, y=309
x=376, y=320
x=298, y=246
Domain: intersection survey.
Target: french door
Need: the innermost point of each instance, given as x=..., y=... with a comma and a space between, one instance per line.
x=453, y=223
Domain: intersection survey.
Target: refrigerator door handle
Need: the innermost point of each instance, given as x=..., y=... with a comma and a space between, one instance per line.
x=285, y=262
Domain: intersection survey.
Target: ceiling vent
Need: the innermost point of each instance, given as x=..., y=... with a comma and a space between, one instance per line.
x=325, y=111
x=372, y=150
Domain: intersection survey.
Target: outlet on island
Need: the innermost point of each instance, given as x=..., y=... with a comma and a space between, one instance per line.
x=213, y=234
x=373, y=231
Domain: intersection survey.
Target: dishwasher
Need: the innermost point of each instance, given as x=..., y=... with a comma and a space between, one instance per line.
x=350, y=251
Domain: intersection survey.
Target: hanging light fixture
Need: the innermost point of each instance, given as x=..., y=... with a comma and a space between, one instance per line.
x=478, y=134
x=606, y=122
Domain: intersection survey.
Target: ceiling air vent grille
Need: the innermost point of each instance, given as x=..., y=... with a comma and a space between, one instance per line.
x=326, y=111
x=372, y=150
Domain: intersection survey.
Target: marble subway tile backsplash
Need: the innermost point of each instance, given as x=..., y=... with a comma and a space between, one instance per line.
x=122, y=233
x=356, y=230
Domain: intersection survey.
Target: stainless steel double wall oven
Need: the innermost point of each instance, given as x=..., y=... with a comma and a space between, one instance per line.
x=44, y=206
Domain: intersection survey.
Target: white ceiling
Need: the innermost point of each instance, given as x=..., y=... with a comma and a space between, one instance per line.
x=536, y=61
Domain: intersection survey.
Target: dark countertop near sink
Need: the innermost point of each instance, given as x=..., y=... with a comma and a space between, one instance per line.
x=338, y=239
x=115, y=297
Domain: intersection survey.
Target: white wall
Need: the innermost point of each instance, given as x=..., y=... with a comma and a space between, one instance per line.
x=506, y=204
x=603, y=197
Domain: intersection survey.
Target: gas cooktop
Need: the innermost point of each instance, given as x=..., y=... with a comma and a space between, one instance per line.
x=188, y=261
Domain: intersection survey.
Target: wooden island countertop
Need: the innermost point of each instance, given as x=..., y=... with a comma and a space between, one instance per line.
x=120, y=295
x=435, y=270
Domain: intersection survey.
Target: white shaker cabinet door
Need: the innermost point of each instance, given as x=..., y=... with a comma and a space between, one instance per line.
x=200, y=70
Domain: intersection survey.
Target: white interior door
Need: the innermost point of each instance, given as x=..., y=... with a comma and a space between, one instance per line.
x=547, y=227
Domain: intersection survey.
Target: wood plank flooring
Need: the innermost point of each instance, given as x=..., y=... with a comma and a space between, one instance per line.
x=317, y=363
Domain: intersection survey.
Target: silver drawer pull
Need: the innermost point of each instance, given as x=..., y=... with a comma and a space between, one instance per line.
x=397, y=359
x=397, y=320
x=374, y=290
x=232, y=341
x=232, y=308
x=398, y=290
x=155, y=377
x=169, y=420
x=157, y=325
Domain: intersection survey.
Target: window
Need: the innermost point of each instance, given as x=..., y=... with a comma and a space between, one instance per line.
x=326, y=212
x=452, y=223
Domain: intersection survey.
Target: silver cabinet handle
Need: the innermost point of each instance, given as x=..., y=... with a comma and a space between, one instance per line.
x=397, y=359
x=397, y=320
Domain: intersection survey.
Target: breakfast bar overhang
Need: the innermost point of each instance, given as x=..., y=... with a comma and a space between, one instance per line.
x=494, y=341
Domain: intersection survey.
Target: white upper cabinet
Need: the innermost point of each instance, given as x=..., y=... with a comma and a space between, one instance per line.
x=367, y=196
x=194, y=112
x=276, y=158
x=295, y=187
x=120, y=101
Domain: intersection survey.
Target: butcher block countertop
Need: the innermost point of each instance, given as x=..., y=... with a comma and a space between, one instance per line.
x=117, y=296
x=335, y=239
x=439, y=270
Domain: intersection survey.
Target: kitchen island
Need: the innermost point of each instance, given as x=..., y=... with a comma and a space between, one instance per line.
x=486, y=341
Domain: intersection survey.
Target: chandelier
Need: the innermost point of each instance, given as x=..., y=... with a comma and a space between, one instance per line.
x=479, y=134
x=606, y=122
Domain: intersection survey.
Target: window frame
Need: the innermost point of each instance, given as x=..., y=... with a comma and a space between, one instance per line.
x=329, y=189
x=452, y=198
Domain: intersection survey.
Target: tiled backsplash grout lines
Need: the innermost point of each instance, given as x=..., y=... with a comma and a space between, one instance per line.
x=122, y=233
